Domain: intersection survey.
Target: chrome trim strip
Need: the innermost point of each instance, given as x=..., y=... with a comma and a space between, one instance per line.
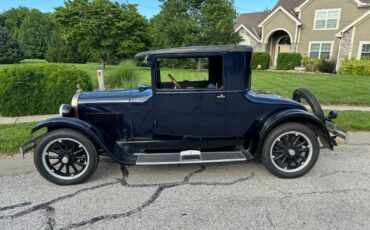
x=74, y=103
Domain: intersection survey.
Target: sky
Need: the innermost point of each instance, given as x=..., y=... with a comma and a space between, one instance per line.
x=146, y=7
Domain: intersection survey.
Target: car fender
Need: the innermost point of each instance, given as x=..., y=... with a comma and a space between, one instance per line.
x=291, y=115
x=96, y=135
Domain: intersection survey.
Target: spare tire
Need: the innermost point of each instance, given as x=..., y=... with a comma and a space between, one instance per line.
x=305, y=94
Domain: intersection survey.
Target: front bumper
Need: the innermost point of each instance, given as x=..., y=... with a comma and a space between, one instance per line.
x=337, y=132
x=29, y=145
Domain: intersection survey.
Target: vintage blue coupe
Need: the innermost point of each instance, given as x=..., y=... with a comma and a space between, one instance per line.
x=214, y=119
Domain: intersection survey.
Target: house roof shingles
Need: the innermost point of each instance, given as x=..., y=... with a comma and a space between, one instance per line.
x=251, y=21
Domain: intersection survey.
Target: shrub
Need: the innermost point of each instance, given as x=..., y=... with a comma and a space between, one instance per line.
x=327, y=66
x=311, y=64
x=124, y=76
x=262, y=59
x=287, y=61
x=355, y=67
x=38, y=89
x=10, y=51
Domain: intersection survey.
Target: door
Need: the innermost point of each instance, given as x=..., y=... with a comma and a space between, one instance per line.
x=283, y=46
x=190, y=113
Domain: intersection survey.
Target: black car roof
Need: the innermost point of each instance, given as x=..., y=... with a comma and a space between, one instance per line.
x=196, y=49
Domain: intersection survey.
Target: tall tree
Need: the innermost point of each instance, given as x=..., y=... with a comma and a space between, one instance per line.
x=194, y=22
x=34, y=34
x=10, y=51
x=217, y=23
x=62, y=52
x=173, y=26
x=12, y=19
x=103, y=28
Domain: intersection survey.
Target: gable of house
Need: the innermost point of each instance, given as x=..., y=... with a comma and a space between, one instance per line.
x=311, y=30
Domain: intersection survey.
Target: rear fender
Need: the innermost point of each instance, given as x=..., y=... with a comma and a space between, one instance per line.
x=291, y=115
x=101, y=139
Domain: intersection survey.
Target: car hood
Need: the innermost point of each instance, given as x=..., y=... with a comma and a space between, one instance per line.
x=118, y=96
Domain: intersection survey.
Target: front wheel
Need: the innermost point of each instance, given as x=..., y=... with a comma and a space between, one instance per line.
x=65, y=157
x=290, y=150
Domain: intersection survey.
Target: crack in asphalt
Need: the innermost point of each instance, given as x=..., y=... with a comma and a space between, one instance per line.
x=345, y=172
x=269, y=219
x=15, y=206
x=50, y=211
x=48, y=203
x=50, y=215
x=154, y=196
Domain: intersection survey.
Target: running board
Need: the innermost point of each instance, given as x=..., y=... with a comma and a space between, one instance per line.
x=188, y=157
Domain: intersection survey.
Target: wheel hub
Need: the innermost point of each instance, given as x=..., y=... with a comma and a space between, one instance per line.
x=291, y=152
x=65, y=159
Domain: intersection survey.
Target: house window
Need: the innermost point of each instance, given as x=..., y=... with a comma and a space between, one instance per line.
x=327, y=19
x=365, y=50
x=320, y=50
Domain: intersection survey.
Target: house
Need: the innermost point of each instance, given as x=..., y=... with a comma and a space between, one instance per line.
x=330, y=29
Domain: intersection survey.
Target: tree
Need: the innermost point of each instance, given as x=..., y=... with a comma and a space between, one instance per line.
x=103, y=28
x=173, y=26
x=34, y=34
x=194, y=22
x=13, y=18
x=217, y=23
x=62, y=52
x=10, y=51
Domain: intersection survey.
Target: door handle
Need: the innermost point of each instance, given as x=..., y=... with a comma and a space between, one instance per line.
x=221, y=96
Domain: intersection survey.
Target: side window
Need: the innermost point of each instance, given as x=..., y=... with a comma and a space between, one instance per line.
x=320, y=50
x=364, y=49
x=190, y=73
x=327, y=19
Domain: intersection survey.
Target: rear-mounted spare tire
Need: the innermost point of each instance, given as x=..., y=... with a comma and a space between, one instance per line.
x=305, y=94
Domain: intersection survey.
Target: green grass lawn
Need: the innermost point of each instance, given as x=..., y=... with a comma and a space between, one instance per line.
x=12, y=136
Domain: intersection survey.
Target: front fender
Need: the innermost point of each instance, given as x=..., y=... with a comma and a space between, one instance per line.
x=291, y=115
x=99, y=137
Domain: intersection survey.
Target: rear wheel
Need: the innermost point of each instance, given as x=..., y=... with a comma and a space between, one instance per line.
x=290, y=150
x=66, y=157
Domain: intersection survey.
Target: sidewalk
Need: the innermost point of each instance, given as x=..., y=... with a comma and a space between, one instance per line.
x=346, y=108
x=24, y=119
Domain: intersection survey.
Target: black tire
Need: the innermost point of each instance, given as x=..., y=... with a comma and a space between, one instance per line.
x=305, y=94
x=84, y=157
x=271, y=150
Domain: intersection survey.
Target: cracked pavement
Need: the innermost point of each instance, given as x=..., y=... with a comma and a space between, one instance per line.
x=334, y=195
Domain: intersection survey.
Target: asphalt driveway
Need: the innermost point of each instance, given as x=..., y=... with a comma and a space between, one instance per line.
x=334, y=195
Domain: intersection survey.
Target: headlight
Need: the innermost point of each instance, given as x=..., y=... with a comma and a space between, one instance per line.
x=66, y=111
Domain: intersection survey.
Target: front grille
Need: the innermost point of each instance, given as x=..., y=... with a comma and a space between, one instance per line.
x=105, y=120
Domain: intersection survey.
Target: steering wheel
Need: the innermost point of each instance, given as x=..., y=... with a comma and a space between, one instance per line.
x=177, y=85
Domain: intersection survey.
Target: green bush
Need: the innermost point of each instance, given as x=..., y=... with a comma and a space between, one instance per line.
x=262, y=59
x=327, y=66
x=124, y=76
x=288, y=61
x=311, y=64
x=355, y=67
x=39, y=89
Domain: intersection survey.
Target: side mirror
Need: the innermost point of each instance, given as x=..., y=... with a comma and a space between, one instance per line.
x=142, y=87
